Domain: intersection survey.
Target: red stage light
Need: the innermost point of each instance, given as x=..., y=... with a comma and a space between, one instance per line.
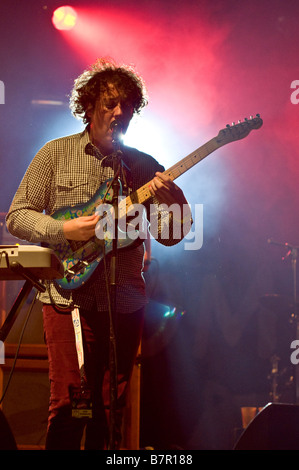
x=64, y=18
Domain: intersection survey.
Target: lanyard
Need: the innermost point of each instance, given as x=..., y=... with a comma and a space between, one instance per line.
x=81, y=399
x=79, y=341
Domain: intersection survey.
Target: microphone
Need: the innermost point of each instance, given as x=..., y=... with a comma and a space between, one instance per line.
x=116, y=124
x=117, y=132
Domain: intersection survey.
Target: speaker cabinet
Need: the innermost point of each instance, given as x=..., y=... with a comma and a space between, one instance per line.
x=7, y=440
x=276, y=427
x=25, y=405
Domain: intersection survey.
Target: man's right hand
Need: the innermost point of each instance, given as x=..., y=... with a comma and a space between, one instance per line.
x=80, y=228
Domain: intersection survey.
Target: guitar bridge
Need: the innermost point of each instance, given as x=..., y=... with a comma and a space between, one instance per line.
x=78, y=268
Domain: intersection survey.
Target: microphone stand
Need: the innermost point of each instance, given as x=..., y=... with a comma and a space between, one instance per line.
x=293, y=253
x=116, y=161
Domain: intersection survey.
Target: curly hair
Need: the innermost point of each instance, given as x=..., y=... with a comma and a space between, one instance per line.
x=95, y=80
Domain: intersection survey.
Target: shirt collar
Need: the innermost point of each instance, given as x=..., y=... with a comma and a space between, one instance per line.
x=89, y=147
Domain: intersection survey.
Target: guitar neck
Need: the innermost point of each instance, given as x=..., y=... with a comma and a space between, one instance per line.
x=229, y=134
x=192, y=159
x=143, y=194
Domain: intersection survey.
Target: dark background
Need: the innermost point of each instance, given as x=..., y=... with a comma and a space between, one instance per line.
x=206, y=64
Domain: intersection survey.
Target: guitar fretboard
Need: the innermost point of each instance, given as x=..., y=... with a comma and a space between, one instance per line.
x=192, y=159
x=143, y=194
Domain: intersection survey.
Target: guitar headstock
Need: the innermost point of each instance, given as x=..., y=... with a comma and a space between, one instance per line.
x=240, y=130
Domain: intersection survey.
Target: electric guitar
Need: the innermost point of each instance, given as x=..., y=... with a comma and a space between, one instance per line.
x=80, y=259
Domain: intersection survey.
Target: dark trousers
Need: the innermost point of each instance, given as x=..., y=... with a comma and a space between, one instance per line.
x=64, y=431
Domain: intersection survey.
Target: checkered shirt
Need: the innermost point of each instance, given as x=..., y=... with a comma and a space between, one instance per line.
x=68, y=171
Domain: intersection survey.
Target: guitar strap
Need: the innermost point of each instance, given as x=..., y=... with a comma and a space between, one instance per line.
x=80, y=397
x=79, y=341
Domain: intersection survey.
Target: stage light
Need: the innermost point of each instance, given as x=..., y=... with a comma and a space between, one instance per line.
x=64, y=18
x=173, y=312
x=170, y=312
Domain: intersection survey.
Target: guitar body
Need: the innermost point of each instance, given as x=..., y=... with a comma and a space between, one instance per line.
x=80, y=259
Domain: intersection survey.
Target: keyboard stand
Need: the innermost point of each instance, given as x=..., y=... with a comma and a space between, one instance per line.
x=30, y=282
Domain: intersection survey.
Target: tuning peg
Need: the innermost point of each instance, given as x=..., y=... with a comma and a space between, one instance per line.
x=258, y=115
x=246, y=119
x=228, y=126
x=233, y=123
x=251, y=117
x=239, y=121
